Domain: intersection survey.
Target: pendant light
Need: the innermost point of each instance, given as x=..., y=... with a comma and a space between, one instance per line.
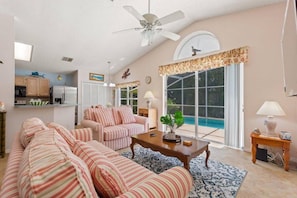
x=109, y=84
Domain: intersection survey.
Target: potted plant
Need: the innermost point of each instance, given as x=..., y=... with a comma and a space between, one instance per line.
x=173, y=121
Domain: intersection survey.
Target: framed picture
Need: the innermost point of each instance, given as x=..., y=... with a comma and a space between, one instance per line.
x=97, y=77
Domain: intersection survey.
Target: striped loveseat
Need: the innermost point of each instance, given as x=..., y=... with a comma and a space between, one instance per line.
x=114, y=126
x=50, y=161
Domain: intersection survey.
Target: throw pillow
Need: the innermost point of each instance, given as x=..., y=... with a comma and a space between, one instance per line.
x=127, y=115
x=89, y=114
x=65, y=133
x=116, y=115
x=106, y=177
x=104, y=116
x=29, y=128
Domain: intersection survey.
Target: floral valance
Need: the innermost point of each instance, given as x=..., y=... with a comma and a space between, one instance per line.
x=234, y=56
x=128, y=84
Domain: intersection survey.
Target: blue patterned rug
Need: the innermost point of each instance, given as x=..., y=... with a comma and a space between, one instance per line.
x=218, y=181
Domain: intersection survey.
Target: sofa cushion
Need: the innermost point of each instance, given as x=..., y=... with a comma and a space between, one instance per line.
x=29, y=128
x=126, y=115
x=104, y=116
x=49, y=169
x=133, y=173
x=114, y=132
x=108, y=152
x=106, y=177
x=134, y=128
x=65, y=133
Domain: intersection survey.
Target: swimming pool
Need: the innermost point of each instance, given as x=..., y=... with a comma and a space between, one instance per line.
x=208, y=122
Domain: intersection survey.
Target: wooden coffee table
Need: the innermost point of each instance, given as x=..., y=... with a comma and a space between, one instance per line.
x=183, y=153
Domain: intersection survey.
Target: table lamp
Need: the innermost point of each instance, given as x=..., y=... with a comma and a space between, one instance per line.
x=270, y=109
x=149, y=96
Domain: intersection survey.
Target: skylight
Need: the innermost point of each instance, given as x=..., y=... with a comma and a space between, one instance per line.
x=22, y=51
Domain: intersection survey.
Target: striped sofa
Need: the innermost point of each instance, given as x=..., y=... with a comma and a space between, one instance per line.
x=50, y=161
x=114, y=126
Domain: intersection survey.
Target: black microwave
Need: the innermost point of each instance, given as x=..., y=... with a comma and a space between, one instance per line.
x=20, y=91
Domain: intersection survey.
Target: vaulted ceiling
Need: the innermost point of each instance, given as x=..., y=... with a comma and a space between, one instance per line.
x=84, y=30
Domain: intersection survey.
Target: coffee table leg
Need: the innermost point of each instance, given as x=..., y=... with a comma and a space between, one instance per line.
x=132, y=148
x=187, y=164
x=207, y=156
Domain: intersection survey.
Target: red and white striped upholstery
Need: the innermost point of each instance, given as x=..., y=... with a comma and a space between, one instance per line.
x=175, y=182
x=112, y=132
x=29, y=128
x=133, y=173
x=106, y=177
x=49, y=169
x=83, y=134
x=108, y=152
x=133, y=128
x=49, y=155
x=116, y=116
x=104, y=116
x=127, y=115
x=9, y=186
x=65, y=133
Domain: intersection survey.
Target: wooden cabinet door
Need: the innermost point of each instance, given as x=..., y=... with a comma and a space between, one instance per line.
x=43, y=86
x=20, y=81
x=151, y=114
x=32, y=86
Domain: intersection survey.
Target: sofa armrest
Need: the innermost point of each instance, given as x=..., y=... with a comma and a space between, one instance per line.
x=83, y=134
x=96, y=127
x=9, y=187
x=175, y=182
x=142, y=120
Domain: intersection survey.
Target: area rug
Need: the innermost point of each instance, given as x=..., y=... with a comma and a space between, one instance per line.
x=218, y=180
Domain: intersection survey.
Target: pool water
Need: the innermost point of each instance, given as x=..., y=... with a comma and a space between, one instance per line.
x=206, y=122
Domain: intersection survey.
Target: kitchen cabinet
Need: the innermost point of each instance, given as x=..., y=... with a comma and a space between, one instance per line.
x=37, y=86
x=151, y=113
x=20, y=81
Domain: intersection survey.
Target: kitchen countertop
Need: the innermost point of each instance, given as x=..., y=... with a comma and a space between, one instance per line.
x=44, y=106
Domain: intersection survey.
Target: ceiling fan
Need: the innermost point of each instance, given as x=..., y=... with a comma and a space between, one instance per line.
x=151, y=24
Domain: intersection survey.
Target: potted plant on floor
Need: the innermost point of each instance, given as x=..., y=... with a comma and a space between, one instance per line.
x=172, y=121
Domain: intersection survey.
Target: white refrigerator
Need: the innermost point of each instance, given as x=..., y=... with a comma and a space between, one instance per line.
x=63, y=95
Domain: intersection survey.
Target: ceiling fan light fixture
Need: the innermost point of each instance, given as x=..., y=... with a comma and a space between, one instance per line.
x=149, y=22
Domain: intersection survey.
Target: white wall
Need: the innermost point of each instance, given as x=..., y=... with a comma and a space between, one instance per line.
x=260, y=29
x=7, y=73
x=15, y=116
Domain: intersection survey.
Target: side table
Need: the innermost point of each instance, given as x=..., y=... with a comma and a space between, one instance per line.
x=2, y=133
x=274, y=142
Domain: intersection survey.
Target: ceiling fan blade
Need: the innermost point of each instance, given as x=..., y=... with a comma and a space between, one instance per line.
x=129, y=29
x=171, y=18
x=134, y=12
x=169, y=35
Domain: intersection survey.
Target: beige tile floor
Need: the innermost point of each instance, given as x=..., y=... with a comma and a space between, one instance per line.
x=208, y=133
x=262, y=180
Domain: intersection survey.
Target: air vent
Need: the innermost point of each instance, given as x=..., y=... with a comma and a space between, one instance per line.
x=67, y=59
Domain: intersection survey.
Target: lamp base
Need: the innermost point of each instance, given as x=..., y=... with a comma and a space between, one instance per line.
x=148, y=103
x=270, y=125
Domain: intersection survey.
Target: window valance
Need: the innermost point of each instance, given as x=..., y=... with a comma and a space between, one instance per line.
x=128, y=84
x=234, y=56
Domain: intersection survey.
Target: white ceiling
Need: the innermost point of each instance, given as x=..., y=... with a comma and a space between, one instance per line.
x=83, y=29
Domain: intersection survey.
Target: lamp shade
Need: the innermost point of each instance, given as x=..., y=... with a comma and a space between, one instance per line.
x=271, y=108
x=148, y=95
